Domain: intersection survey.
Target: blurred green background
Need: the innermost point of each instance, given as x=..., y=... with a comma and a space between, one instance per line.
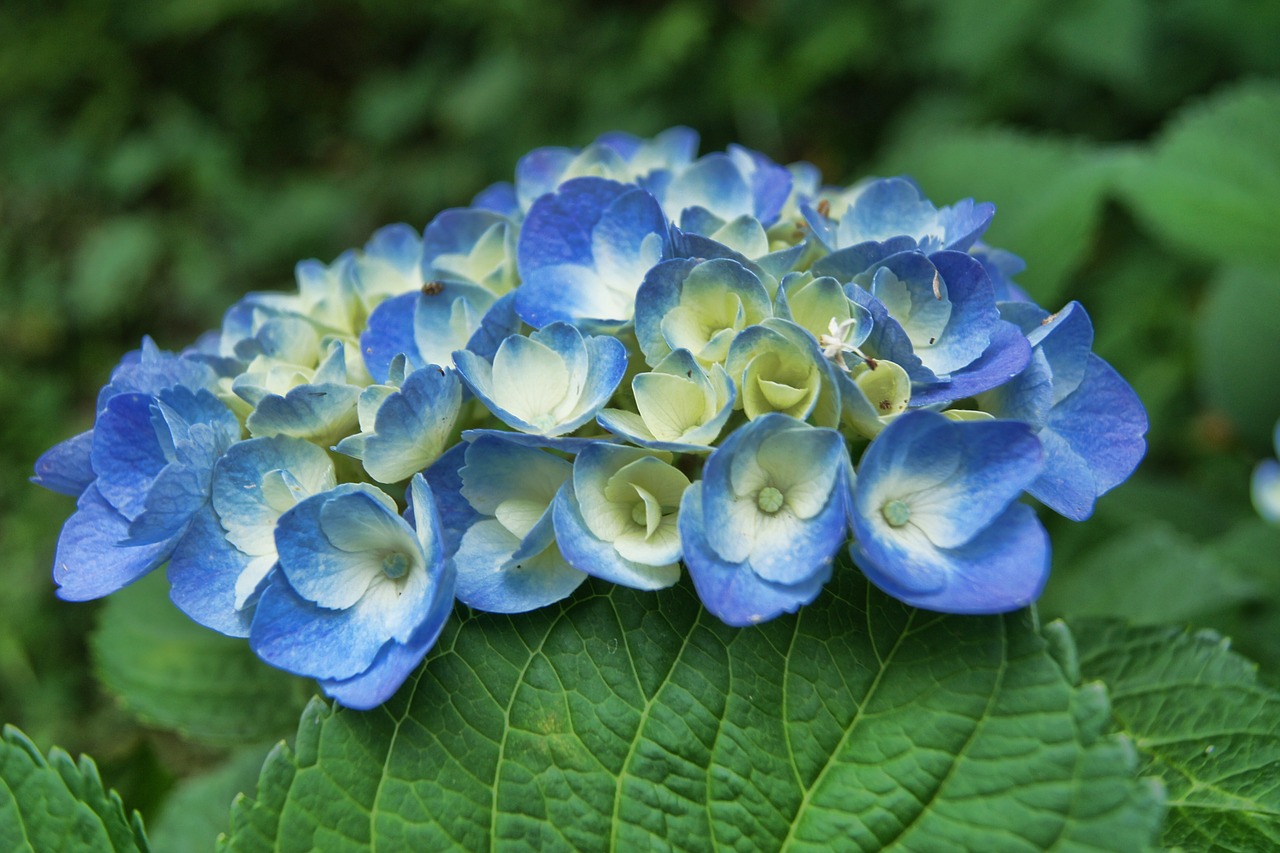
x=158, y=160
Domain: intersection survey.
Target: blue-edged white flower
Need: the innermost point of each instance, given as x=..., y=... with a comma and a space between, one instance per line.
x=320, y=407
x=935, y=518
x=583, y=252
x=471, y=245
x=1266, y=485
x=405, y=430
x=219, y=567
x=740, y=182
x=546, y=384
x=359, y=596
x=616, y=156
x=760, y=530
x=616, y=517
x=1090, y=421
x=778, y=367
x=888, y=208
x=699, y=306
x=496, y=509
x=681, y=406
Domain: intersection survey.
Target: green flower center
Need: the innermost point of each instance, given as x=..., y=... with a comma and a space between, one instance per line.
x=896, y=512
x=395, y=565
x=769, y=500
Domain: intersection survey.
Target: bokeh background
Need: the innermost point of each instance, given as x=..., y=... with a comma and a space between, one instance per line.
x=158, y=160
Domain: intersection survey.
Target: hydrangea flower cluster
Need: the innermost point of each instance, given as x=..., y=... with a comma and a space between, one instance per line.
x=630, y=361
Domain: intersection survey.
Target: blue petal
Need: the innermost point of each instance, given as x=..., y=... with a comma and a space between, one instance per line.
x=390, y=333
x=203, y=573
x=89, y=563
x=394, y=663
x=293, y=634
x=1094, y=439
x=456, y=513
x=558, y=227
x=126, y=453
x=487, y=580
x=67, y=467
x=413, y=425
x=446, y=318
x=956, y=476
x=1008, y=355
x=731, y=591
x=499, y=197
x=1003, y=568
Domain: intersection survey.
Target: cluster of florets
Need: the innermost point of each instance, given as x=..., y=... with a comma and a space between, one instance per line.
x=630, y=360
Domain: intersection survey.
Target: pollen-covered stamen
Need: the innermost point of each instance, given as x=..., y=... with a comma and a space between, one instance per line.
x=835, y=343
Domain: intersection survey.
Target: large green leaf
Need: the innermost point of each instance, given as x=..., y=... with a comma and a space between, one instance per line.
x=1203, y=724
x=1048, y=192
x=174, y=674
x=1212, y=180
x=194, y=815
x=1237, y=356
x=1178, y=580
x=626, y=720
x=59, y=804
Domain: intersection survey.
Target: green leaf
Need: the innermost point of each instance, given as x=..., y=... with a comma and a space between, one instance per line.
x=174, y=674
x=1236, y=348
x=628, y=720
x=1048, y=192
x=196, y=812
x=1212, y=180
x=1149, y=574
x=59, y=804
x=1203, y=724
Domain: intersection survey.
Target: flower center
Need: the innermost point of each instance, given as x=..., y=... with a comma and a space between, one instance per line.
x=640, y=513
x=769, y=500
x=896, y=512
x=395, y=565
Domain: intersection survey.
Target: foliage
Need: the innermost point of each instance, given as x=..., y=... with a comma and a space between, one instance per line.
x=1129, y=145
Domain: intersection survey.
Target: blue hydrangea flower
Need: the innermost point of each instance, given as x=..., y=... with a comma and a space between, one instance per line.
x=359, y=596
x=475, y=246
x=760, y=530
x=616, y=517
x=1266, y=484
x=880, y=210
x=616, y=156
x=549, y=383
x=404, y=431
x=496, y=502
x=778, y=367
x=740, y=182
x=320, y=407
x=426, y=327
x=583, y=252
x=218, y=569
x=681, y=406
x=67, y=467
x=935, y=315
x=699, y=306
x=934, y=516
x=1091, y=423
x=152, y=456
